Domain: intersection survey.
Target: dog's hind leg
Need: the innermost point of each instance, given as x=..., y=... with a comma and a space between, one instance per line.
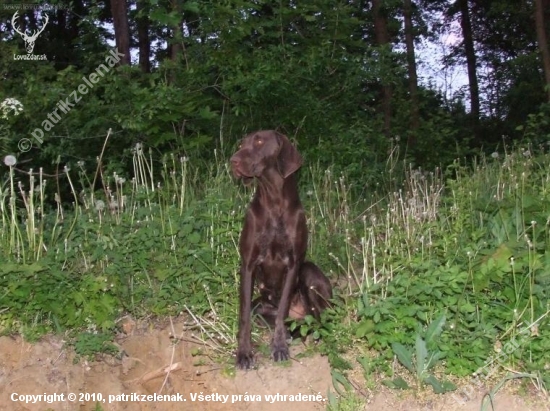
x=315, y=288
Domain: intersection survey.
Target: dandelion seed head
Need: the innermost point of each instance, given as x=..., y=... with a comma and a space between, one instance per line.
x=10, y=160
x=99, y=205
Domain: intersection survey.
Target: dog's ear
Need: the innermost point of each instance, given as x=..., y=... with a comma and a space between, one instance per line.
x=288, y=160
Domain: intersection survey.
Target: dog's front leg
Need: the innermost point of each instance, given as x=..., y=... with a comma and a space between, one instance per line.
x=245, y=358
x=279, y=346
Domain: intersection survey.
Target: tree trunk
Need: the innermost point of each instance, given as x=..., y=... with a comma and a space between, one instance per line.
x=176, y=45
x=543, y=43
x=142, y=22
x=177, y=34
x=413, y=78
x=469, y=50
x=382, y=39
x=122, y=31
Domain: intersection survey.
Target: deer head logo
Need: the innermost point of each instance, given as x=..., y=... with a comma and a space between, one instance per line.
x=29, y=40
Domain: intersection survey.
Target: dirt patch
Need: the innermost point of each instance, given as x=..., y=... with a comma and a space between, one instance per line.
x=393, y=401
x=48, y=367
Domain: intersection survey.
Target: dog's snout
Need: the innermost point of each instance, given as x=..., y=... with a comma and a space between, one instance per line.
x=236, y=166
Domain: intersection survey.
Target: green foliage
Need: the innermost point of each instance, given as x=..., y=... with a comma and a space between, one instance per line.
x=471, y=243
x=141, y=250
x=537, y=127
x=422, y=360
x=474, y=246
x=307, y=69
x=89, y=344
x=347, y=402
x=476, y=250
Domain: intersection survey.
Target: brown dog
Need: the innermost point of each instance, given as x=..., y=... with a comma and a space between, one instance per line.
x=273, y=244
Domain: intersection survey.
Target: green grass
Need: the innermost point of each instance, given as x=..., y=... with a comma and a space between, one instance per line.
x=470, y=242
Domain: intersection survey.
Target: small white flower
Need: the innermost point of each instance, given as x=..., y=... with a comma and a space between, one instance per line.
x=10, y=106
x=494, y=155
x=527, y=153
x=10, y=160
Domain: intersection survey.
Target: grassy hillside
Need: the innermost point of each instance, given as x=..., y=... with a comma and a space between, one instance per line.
x=449, y=270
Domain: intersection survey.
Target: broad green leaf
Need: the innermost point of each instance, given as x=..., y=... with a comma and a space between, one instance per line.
x=436, y=385
x=467, y=308
x=439, y=387
x=421, y=355
x=332, y=400
x=448, y=386
x=397, y=383
x=434, y=358
x=340, y=382
x=162, y=273
x=365, y=327
x=194, y=237
x=435, y=328
x=403, y=355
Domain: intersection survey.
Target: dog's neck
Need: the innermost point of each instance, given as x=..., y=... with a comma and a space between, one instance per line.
x=272, y=187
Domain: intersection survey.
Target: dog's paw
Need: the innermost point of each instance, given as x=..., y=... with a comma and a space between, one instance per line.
x=245, y=360
x=280, y=352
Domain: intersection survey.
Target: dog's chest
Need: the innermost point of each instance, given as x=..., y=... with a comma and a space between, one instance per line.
x=273, y=260
x=274, y=242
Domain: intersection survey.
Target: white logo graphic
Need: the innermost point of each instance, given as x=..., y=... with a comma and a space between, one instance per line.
x=29, y=40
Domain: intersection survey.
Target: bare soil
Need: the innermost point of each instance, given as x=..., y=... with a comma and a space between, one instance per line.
x=153, y=364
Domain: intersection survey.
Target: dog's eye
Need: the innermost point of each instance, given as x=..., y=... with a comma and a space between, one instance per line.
x=258, y=142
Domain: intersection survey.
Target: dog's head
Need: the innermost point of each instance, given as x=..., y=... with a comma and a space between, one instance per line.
x=263, y=150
